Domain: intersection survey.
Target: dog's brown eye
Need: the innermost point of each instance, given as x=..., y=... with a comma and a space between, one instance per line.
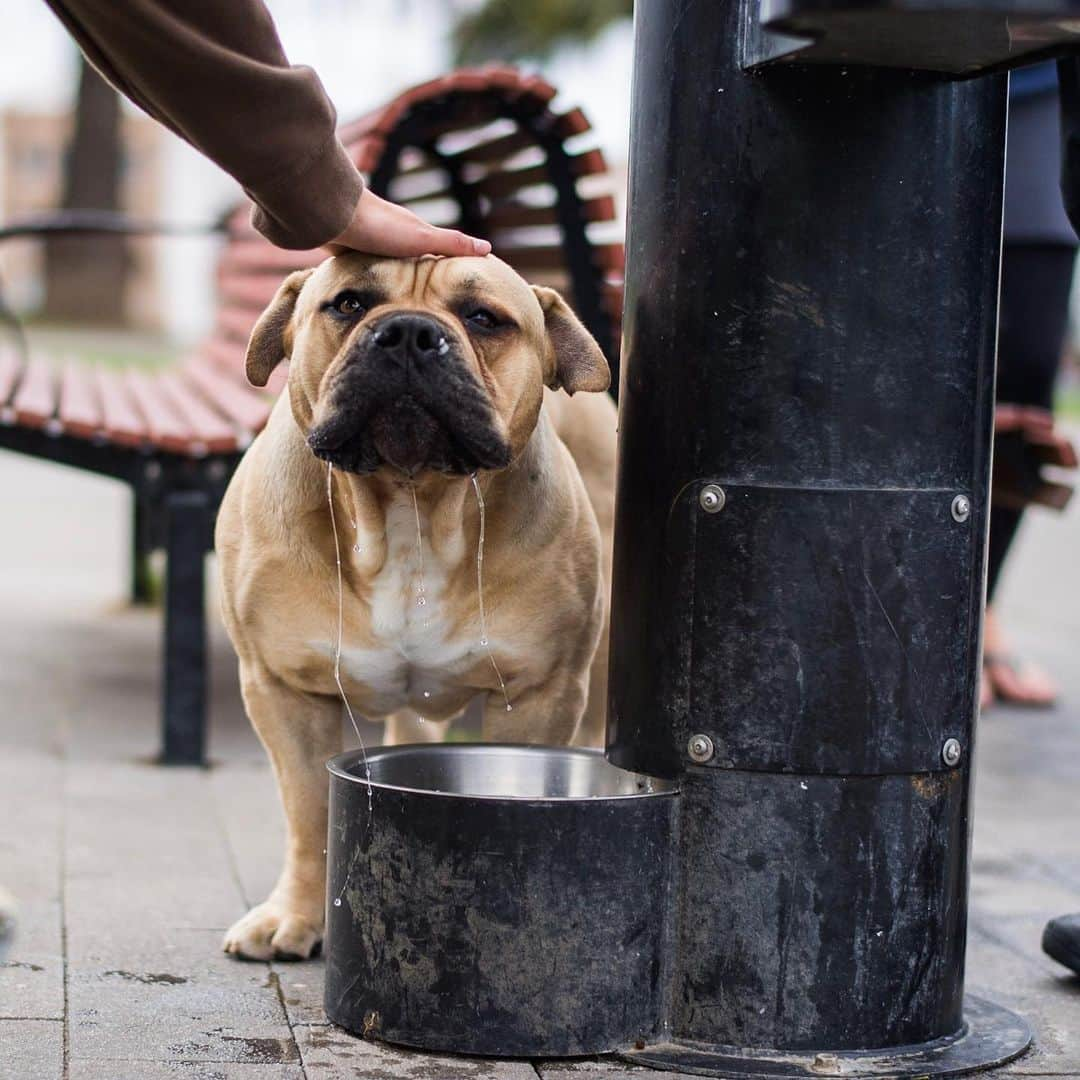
x=348, y=304
x=482, y=318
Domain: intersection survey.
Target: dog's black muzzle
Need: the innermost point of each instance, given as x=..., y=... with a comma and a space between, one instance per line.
x=406, y=398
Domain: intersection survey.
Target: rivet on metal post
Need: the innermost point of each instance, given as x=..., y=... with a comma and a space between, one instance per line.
x=700, y=748
x=950, y=752
x=712, y=498
x=961, y=508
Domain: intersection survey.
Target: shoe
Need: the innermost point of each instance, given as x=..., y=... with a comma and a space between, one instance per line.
x=1061, y=940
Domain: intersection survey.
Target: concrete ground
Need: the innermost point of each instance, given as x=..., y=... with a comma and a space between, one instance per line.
x=128, y=873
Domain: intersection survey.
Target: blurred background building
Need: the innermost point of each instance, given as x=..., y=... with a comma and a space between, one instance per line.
x=33, y=154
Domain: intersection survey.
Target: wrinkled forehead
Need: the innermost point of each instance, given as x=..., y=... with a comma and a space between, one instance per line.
x=429, y=281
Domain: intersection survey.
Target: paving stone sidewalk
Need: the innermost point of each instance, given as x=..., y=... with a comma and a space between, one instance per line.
x=128, y=873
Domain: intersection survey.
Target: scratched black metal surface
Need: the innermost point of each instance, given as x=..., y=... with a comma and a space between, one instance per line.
x=811, y=291
x=820, y=911
x=839, y=633
x=502, y=928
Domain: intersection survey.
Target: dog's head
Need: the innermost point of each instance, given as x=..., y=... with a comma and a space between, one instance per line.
x=420, y=364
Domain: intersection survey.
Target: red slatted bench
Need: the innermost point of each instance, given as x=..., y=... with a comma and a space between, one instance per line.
x=483, y=150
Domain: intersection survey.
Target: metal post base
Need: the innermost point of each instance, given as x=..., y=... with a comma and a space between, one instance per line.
x=991, y=1036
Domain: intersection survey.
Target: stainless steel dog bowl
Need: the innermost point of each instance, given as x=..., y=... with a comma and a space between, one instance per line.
x=503, y=900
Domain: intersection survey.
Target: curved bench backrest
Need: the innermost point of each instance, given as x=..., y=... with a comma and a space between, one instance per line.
x=481, y=150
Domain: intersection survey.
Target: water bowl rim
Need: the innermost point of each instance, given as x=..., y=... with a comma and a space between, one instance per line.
x=339, y=765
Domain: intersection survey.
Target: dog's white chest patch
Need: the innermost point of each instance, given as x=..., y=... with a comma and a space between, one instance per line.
x=415, y=657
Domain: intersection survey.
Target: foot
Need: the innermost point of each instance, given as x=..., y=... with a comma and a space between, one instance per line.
x=269, y=932
x=1018, y=682
x=1008, y=679
x=1061, y=940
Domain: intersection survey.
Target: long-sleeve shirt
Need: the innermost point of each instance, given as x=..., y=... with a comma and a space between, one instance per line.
x=214, y=72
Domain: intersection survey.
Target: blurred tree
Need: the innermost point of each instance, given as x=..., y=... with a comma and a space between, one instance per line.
x=85, y=277
x=512, y=29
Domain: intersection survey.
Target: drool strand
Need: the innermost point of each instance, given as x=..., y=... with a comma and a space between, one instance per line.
x=480, y=595
x=341, y=632
x=421, y=599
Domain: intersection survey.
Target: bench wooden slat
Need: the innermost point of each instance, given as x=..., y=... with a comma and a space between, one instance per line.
x=501, y=147
x=244, y=405
x=499, y=183
x=80, y=410
x=10, y=366
x=210, y=430
x=510, y=215
x=524, y=257
x=120, y=417
x=35, y=398
x=165, y=425
x=422, y=187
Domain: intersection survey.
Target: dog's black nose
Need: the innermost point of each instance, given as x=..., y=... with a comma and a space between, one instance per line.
x=410, y=337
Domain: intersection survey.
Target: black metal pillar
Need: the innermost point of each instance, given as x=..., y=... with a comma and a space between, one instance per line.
x=184, y=707
x=806, y=407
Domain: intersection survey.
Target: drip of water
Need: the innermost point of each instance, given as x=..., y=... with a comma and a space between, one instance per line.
x=421, y=599
x=480, y=594
x=341, y=629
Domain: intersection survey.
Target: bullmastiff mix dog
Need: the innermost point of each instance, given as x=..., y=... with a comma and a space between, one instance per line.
x=407, y=380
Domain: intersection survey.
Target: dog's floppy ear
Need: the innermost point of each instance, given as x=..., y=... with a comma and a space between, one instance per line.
x=579, y=363
x=266, y=346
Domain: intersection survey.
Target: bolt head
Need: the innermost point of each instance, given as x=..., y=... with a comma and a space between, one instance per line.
x=712, y=498
x=961, y=508
x=700, y=748
x=951, y=752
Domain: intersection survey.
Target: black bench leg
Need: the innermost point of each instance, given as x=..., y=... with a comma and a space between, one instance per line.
x=141, y=585
x=187, y=524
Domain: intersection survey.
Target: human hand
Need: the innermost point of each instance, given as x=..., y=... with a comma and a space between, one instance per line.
x=379, y=227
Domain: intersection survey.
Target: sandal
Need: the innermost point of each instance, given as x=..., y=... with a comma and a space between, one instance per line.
x=1017, y=682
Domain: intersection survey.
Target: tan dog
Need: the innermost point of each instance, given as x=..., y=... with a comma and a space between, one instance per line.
x=406, y=378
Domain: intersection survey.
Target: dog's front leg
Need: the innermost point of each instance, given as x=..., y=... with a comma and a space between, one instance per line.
x=300, y=732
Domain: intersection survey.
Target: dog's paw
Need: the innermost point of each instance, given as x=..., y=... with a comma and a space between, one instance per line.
x=269, y=932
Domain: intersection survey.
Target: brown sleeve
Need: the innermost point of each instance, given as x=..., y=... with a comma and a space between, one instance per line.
x=215, y=73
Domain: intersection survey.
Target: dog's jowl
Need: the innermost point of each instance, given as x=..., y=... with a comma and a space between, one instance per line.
x=427, y=399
